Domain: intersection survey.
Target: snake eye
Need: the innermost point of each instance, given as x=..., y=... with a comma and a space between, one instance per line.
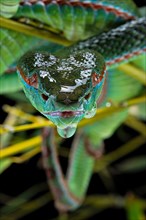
x=45, y=97
x=87, y=96
x=30, y=80
x=96, y=79
x=33, y=81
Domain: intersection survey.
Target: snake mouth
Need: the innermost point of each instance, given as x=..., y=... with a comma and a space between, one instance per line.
x=64, y=114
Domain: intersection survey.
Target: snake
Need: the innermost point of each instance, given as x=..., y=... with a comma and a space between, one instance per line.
x=68, y=83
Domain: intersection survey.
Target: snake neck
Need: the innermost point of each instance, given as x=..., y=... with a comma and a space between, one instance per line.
x=113, y=48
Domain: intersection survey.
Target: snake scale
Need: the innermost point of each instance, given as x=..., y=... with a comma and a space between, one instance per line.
x=67, y=84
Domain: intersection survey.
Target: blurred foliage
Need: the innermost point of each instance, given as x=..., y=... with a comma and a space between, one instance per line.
x=16, y=148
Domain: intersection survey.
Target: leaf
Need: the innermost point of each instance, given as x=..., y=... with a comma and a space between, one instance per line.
x=132, y=165
x=134, y=208
x=4, y=164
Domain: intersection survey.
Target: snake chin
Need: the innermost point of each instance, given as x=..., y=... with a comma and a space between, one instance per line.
x=65, y=121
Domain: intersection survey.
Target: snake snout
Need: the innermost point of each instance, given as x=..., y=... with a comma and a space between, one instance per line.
x=67, y=98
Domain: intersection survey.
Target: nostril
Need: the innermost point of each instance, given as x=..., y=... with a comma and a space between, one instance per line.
x=67, y=101
x=45, y=97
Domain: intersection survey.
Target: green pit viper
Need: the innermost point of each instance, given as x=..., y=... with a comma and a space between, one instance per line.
x=67, y=84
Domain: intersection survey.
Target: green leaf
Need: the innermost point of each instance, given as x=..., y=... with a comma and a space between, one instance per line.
x=4, y=164
x=134, y=208
x=132, y=165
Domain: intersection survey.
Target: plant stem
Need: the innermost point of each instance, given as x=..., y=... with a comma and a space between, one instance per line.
x=134, y=72
x=32, y=31
x=120, y=152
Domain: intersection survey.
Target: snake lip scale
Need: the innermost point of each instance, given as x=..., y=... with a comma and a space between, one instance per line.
x=64, y=114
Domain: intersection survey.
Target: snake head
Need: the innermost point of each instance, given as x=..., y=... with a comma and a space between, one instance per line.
x=64, y=87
